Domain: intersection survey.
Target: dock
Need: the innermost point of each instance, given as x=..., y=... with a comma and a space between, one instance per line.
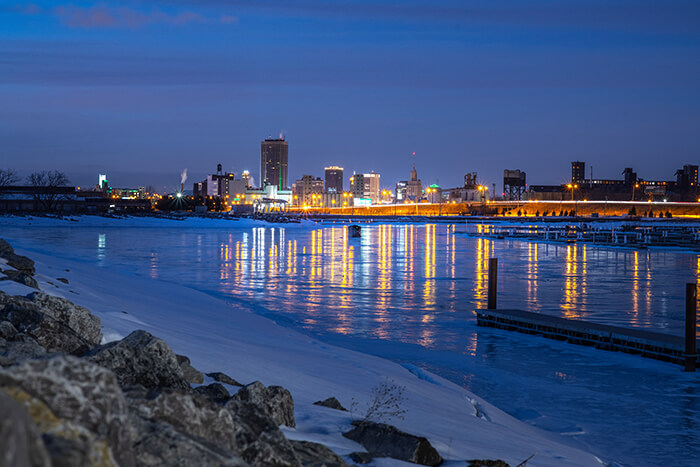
x=628, y=235
x=634, y=341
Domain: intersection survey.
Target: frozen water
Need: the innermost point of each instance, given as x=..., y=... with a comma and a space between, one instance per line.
x=406, y=292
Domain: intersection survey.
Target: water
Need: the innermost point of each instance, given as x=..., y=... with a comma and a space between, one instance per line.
x=406, y=292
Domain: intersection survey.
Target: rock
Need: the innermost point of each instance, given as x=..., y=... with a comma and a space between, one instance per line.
x=276, y=401
x=21, y=263
x=77, y=318
x=238, y=426
x=5, y=249
x=21, y=348
x=66, y=452
x=20, y=438
x=331, y=403
x=20, y=277
x=159, y=443
x=75, y=399
x=141, y=358
x=486, y=463
x=223, y=378
x=57, y=324
x=214, y=391
x=191, y=375
x=361, y=457
x=62, y=279
x=265, y=443
x=316, y=455
x=7, y=330
x=68, y=443
x=382, y=440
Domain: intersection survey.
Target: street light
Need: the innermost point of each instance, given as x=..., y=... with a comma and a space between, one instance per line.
x=572, y=188
x=482, y=191
x=635, y=186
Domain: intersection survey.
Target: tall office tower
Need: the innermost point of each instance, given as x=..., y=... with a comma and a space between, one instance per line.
x=334, y=179
x=372, y=186
x=578, y=172
x=273, y=163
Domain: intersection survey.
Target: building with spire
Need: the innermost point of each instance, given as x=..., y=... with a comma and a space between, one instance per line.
x=414, y=187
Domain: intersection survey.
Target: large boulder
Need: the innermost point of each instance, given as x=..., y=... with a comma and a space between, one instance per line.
x=20, y=348
x=316, y=455
x=77, y=400
x=19, y=262
x=223, y=378
x=159, y=443
x=214, y=391
x=191, y=374
x=57, y=324
x=20, y=438
x=264, y=443
x=5, y=249
x=276, y=401
x=237, y=426
x=76, y=317
x=382, y=440
x=141, y=359
x=8, y=331
x=20, y=277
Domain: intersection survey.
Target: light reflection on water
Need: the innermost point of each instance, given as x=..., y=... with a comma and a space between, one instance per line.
x=391, y=282
x=407, y=292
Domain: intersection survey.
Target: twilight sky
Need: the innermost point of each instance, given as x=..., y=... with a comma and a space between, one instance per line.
x=141, y=90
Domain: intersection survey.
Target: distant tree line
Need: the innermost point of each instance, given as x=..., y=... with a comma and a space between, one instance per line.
x=44, y=186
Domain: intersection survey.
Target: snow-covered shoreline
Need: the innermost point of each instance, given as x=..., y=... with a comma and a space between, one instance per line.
x=218, y=337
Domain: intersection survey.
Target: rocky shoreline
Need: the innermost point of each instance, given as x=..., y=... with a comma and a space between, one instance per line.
x=68, y=399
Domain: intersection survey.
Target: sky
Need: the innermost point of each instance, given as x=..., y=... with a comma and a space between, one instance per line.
x=142, y=90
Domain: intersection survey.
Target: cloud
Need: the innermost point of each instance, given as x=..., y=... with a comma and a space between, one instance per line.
x=104, y=16
x=228, y=19
x=23, y=9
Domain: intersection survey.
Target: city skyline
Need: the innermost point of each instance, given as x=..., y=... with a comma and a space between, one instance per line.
x=142, y=90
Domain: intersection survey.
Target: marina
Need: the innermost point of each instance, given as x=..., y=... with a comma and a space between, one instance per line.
x=633, y=235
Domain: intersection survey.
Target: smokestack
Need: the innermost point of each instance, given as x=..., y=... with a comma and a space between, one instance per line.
x=182, y=187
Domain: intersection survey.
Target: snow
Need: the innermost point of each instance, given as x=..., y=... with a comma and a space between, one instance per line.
x=220, y=336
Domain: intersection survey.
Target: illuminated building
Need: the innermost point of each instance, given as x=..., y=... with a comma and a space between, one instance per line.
x=245, y=176
x=334, y=179
x=102, y=183
x=273, y=163
x=414, y=187
x=578, y=172
x=400, y=191
x=307, y=191
x=684, y=188
x=365, y=187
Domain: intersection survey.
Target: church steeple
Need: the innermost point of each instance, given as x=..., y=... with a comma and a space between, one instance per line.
x=414, y=174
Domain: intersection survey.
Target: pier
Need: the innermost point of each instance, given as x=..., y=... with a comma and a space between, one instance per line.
x=635, y=341
x=650, y=344
x=631, y=235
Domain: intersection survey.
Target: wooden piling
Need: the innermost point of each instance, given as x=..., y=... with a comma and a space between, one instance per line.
x=691, y=296
x=493, y=282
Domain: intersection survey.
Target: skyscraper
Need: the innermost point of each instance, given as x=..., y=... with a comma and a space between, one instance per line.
x=334, y=179
x=273, y=163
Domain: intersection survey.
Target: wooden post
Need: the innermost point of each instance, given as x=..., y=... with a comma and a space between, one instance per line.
x=493, y=282
x=691, y=296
